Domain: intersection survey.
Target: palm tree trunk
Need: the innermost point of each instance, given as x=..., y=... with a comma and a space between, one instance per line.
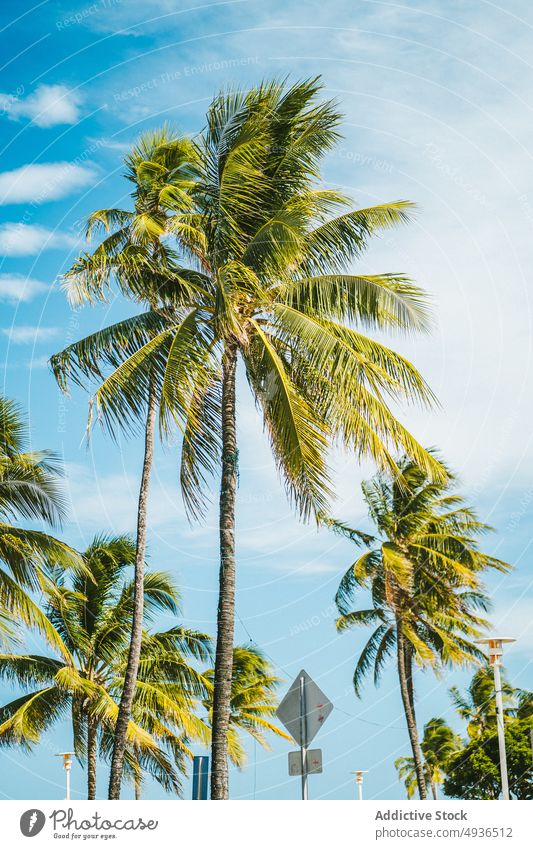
x=434, y=791
x=91, y=758
x=409, y=713
x=226, y=598
x=138, y=776
x=130, y=678
x=409, y=675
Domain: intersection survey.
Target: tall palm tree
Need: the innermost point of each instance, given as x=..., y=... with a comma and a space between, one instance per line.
x=423, y=572
x=271, y=284
x=29, y=490
x=93, y=618
x=438, y=744
x=134, y=257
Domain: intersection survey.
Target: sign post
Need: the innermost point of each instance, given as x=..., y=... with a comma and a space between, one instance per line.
x=303, y=736
x=303, y=711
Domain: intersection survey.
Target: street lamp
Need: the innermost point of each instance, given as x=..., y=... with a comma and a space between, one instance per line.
x=359, y=781
x=67, y=764
x=495, y=649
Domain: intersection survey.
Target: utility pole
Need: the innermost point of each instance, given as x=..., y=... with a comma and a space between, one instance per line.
x=67, y=764
x=495, y=649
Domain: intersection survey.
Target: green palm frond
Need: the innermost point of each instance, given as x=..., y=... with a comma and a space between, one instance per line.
x=23, y=720
x=424, y=576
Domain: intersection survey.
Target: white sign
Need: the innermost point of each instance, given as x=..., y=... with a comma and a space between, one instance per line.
x=313, y=762
x=317, y=709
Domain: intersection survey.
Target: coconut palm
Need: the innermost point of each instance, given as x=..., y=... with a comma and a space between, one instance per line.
x=29, y=491
x=133, y=256
x=93, y=617
x=270, y=284
x=438, y=744
x=423, y=572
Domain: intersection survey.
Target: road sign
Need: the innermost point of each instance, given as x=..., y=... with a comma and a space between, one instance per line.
x=313, y=760
x=317, y=709
x=200, y=776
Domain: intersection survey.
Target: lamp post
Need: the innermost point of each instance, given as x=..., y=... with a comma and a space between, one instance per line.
x=359, y=782
x=67, y=764
x=495, y=650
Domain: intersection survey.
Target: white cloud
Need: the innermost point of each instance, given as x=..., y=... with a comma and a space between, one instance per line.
x=17, y=239
x=41, y=183
x=24, y=333
x=106, y=143
x=17, y=288
x=100, y=500
x=47, y=106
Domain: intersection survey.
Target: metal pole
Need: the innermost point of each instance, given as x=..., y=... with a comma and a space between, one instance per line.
x=359, y=773
x=501, y=731
x=67, y=770
x=303, y=737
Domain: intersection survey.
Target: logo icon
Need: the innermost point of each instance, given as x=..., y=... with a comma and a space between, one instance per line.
x=32, y=822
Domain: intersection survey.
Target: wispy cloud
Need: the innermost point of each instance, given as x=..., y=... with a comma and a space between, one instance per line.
x=47, y=106
x=16, y=288
x=41, y=183
x=99, y=500
x=17, y=239
x=23, y=333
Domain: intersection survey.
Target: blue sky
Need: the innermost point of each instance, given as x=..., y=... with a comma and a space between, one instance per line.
x=437, y=98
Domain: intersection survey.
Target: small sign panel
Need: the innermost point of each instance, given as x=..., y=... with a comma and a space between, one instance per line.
x=313, y=762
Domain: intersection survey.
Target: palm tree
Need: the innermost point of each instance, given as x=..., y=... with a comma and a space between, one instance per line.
x=29, y=490
x=253, y=701
x=438, y=744
x=423, y=573
x=134, y=257
x=271, y=284
x=478, y=706
x=93, y=618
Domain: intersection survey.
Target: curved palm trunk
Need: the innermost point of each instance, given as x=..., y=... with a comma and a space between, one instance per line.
x=226, y=598
x=409, y=712
x=130, y=678
x=91, y=758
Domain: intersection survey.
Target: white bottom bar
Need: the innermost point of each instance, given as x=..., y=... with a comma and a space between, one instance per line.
x=258, y=825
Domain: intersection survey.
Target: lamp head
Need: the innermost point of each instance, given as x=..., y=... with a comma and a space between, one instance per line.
x=495, y=647
x=67, y=758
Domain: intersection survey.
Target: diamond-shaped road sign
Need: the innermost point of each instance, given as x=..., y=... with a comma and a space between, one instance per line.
x=313, y=762
x=317, y=708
